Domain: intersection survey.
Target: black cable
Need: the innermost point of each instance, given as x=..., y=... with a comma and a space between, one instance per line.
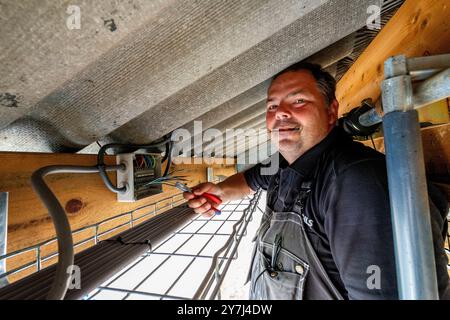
x=168, y=148
x=122, y=242
x=123, y=147
x=61, y=222
x=166, y=155
x=100, y=146
x=169, y=159
x=373, y=143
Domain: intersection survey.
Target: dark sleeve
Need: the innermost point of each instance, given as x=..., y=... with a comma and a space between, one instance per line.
x=438, y=212
x=255, y=179
x=358, y=226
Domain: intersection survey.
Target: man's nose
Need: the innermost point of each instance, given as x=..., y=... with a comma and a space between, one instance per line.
x=283, y=112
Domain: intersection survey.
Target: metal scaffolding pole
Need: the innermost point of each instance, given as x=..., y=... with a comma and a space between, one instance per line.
x=414, y=252
x=435, y=87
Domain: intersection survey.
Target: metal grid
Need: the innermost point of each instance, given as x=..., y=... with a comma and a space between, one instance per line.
x=153, y=209
x=177, y=266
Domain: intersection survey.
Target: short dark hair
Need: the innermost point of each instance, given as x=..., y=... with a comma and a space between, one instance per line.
x=325, y=81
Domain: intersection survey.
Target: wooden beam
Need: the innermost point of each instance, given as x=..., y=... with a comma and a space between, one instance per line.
x=84, y=197
x=418, y=28
x=436, y=149
x=436, y=112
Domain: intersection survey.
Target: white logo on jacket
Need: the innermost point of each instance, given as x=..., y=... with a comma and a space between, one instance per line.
x=308, y=221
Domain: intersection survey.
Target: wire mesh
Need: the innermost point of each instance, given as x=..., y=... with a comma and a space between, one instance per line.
x=177, y=266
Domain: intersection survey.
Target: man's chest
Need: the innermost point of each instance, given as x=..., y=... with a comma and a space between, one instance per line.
x=294, y=194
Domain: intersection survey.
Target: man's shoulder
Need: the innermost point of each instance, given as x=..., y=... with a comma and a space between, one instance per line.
x=354, y=156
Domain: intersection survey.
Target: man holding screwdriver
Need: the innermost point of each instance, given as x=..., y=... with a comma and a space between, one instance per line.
x=326, y=232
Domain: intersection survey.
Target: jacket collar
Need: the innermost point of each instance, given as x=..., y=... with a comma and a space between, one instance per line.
x=307, y=161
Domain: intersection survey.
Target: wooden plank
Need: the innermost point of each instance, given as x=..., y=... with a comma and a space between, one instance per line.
x=84, y=197
x=418, y=28
x=436, y=149
x=224, y=171
x=436, y=113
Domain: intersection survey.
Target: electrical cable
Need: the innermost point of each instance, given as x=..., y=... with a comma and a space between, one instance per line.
x=61, y=223
x=167, y=149
x=146, y=162
x=169, y=158
x=143, y=162
x=149, y=161
x=165, y=154
x=104, y=260
x=153, y=161
x=351, y=123
x=64, y=266
x=373, y=143
x=99, y=145
x=162, y=180
x=127, y=147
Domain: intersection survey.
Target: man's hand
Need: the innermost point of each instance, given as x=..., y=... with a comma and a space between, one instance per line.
x=232, y=188
x=201, y=204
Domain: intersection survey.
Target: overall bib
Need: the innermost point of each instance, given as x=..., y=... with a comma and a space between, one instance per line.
x=285, y=265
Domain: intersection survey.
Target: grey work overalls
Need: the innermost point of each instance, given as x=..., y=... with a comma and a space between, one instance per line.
x=285, y=265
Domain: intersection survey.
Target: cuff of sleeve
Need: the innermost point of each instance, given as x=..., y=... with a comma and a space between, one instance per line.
x=249, y=178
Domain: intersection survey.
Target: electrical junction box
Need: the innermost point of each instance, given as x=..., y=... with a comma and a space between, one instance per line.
x=139, y=176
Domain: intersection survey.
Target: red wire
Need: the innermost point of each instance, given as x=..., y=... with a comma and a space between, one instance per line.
x=141, y=161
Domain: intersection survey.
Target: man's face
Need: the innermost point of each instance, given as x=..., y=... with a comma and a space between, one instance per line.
x=297, y=115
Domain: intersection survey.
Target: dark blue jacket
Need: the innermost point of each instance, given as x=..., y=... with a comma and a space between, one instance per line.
x=348, y=213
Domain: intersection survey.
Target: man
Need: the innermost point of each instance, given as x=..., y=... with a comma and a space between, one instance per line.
x=326, y=232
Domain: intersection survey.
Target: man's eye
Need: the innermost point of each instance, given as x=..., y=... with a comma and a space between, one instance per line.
x=299, y=101
x=272, y=107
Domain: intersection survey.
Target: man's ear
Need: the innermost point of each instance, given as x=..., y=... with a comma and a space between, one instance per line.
x=333, y=112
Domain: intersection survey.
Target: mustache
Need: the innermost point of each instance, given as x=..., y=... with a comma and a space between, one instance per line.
x=284, y=124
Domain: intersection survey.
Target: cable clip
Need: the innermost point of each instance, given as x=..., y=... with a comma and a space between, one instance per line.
x=121, y=241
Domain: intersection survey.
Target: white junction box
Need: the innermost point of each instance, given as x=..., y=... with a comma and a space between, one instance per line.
x=139, y=176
